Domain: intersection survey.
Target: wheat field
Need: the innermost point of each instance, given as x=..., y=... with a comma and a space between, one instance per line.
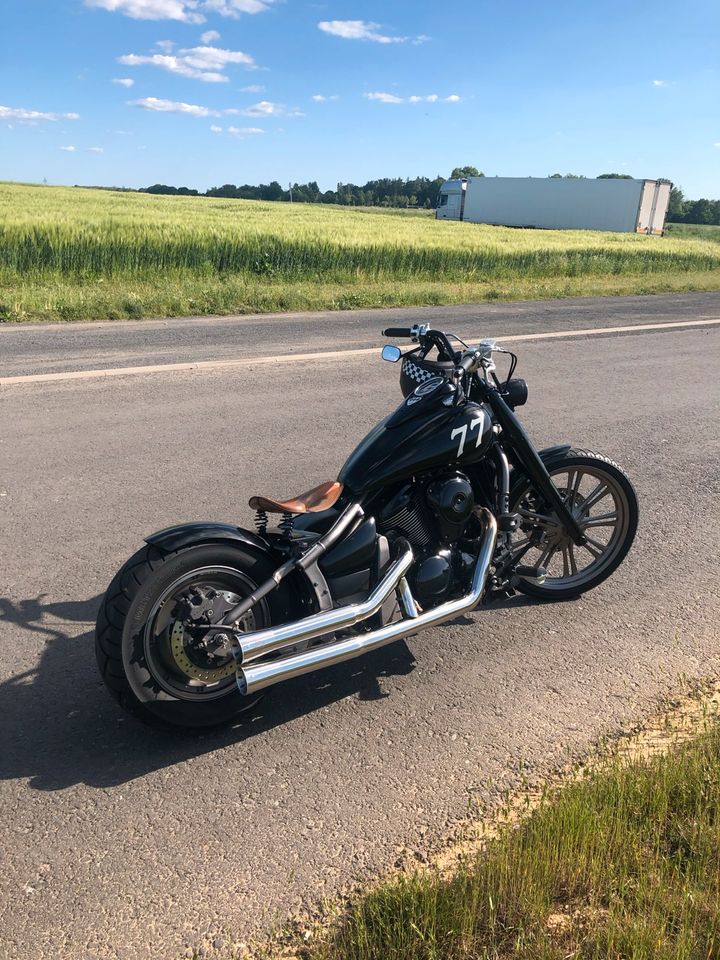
x=71, y=253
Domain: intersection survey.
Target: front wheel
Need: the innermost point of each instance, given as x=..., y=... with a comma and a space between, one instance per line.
x=151, y=648
x=604, y=503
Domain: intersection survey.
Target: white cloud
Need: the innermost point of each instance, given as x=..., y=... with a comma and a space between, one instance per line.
x=253, y=88
x=717, y=144
x=173, y=106
x=364, y=30
x=660, y=83
x=68, y=149
x=186, y=11
x=96, y=150
x=384, y=97
x=34, y=116
x=430, y=98
x=266, y=108
x=183, y=10
x=200, y=63
x=244, y=131
x=124, y=81
x=233, y=8
x=320, y=98
x=215, y=128
x=165, y=45
x=210, y=36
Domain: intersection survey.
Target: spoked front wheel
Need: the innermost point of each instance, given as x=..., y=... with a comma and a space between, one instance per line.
x=604, y=503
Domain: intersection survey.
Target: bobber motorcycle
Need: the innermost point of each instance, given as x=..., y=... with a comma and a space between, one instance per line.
x=445, y=504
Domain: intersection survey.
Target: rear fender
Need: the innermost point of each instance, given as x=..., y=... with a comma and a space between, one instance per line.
x=208, y=531
x=301, y=593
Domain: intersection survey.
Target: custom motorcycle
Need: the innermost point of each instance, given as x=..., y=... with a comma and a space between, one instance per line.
x=445, y=504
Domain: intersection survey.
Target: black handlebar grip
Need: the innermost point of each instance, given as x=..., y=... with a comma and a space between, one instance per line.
x=397, y=332
x=468, y=361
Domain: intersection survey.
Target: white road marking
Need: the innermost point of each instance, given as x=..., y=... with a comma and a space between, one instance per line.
x=324, y=355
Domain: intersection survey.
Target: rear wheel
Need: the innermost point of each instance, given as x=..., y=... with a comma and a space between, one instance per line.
x=604, y=503
x=152, y=650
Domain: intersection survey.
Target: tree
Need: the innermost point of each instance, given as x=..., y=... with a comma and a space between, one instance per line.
x=677, y=207
x=703, y=211
x=461, y=173
x=615, y=176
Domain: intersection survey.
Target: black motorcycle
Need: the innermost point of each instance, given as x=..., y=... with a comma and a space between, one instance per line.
x=444, y=504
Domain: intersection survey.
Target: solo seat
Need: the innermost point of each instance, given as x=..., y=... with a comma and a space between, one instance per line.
x=322, y=497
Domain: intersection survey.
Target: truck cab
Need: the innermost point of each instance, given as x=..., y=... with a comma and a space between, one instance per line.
x=451, y=200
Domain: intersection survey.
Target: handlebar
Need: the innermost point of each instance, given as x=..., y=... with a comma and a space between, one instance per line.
x=469, y=361
x=398, y=332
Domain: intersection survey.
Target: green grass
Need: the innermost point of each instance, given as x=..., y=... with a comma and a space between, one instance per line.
x=69, y=253
x=706, y=231
x=623, y=864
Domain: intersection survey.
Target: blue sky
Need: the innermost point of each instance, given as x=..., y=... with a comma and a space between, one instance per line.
x=205, y=92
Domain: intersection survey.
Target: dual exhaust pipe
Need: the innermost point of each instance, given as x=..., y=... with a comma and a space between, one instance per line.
x=253, y=676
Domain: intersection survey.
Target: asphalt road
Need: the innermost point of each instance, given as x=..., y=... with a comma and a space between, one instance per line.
x=118, y=841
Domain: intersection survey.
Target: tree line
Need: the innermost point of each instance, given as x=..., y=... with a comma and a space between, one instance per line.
x=418, y=193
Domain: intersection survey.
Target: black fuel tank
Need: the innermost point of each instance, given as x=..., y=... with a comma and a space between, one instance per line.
x=426, y=433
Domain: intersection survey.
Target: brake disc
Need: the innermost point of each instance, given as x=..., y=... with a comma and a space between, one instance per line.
x=186, y=665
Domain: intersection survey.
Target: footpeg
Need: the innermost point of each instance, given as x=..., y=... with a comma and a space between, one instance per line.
x=533, y=574
x=509, y=522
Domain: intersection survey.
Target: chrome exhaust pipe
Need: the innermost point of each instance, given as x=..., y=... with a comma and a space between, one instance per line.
x=256, y=676
x=259, y=642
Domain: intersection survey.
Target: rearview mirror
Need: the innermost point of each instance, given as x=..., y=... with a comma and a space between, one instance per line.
x=391, y=353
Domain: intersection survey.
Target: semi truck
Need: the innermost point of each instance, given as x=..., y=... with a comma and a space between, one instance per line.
x=558, y=203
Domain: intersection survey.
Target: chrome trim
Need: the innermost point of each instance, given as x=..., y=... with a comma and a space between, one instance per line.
x=260, y=642
x=344, y=524
x=257, y=676
x=406, y=599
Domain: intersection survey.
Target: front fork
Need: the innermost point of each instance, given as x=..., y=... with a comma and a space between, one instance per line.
x=533, y=466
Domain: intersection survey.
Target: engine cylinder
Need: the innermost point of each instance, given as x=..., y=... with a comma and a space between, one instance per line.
x=451, y=501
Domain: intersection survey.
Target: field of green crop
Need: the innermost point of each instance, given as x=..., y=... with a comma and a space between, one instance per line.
x=70, y=253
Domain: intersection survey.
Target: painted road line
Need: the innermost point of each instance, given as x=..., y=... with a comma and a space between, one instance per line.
x=325, y=355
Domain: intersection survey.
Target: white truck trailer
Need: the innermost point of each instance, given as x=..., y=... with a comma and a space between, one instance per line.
x=554, y=203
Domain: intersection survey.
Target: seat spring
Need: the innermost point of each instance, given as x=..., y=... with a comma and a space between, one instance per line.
x=286, y=524
x=261, y=522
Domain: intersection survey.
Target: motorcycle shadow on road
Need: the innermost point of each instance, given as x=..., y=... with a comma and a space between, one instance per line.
x=59, y=727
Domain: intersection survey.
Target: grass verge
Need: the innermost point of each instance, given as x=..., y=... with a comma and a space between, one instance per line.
x=622, y=862
x=56, y=299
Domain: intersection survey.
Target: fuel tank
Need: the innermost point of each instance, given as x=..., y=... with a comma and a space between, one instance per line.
x=427, y=430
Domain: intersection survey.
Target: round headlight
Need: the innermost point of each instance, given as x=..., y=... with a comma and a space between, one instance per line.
x=515, y=392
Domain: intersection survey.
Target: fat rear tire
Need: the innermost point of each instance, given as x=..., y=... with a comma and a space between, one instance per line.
x=121, y=625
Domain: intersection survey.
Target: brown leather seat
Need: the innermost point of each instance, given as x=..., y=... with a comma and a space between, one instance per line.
x=322, y=497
